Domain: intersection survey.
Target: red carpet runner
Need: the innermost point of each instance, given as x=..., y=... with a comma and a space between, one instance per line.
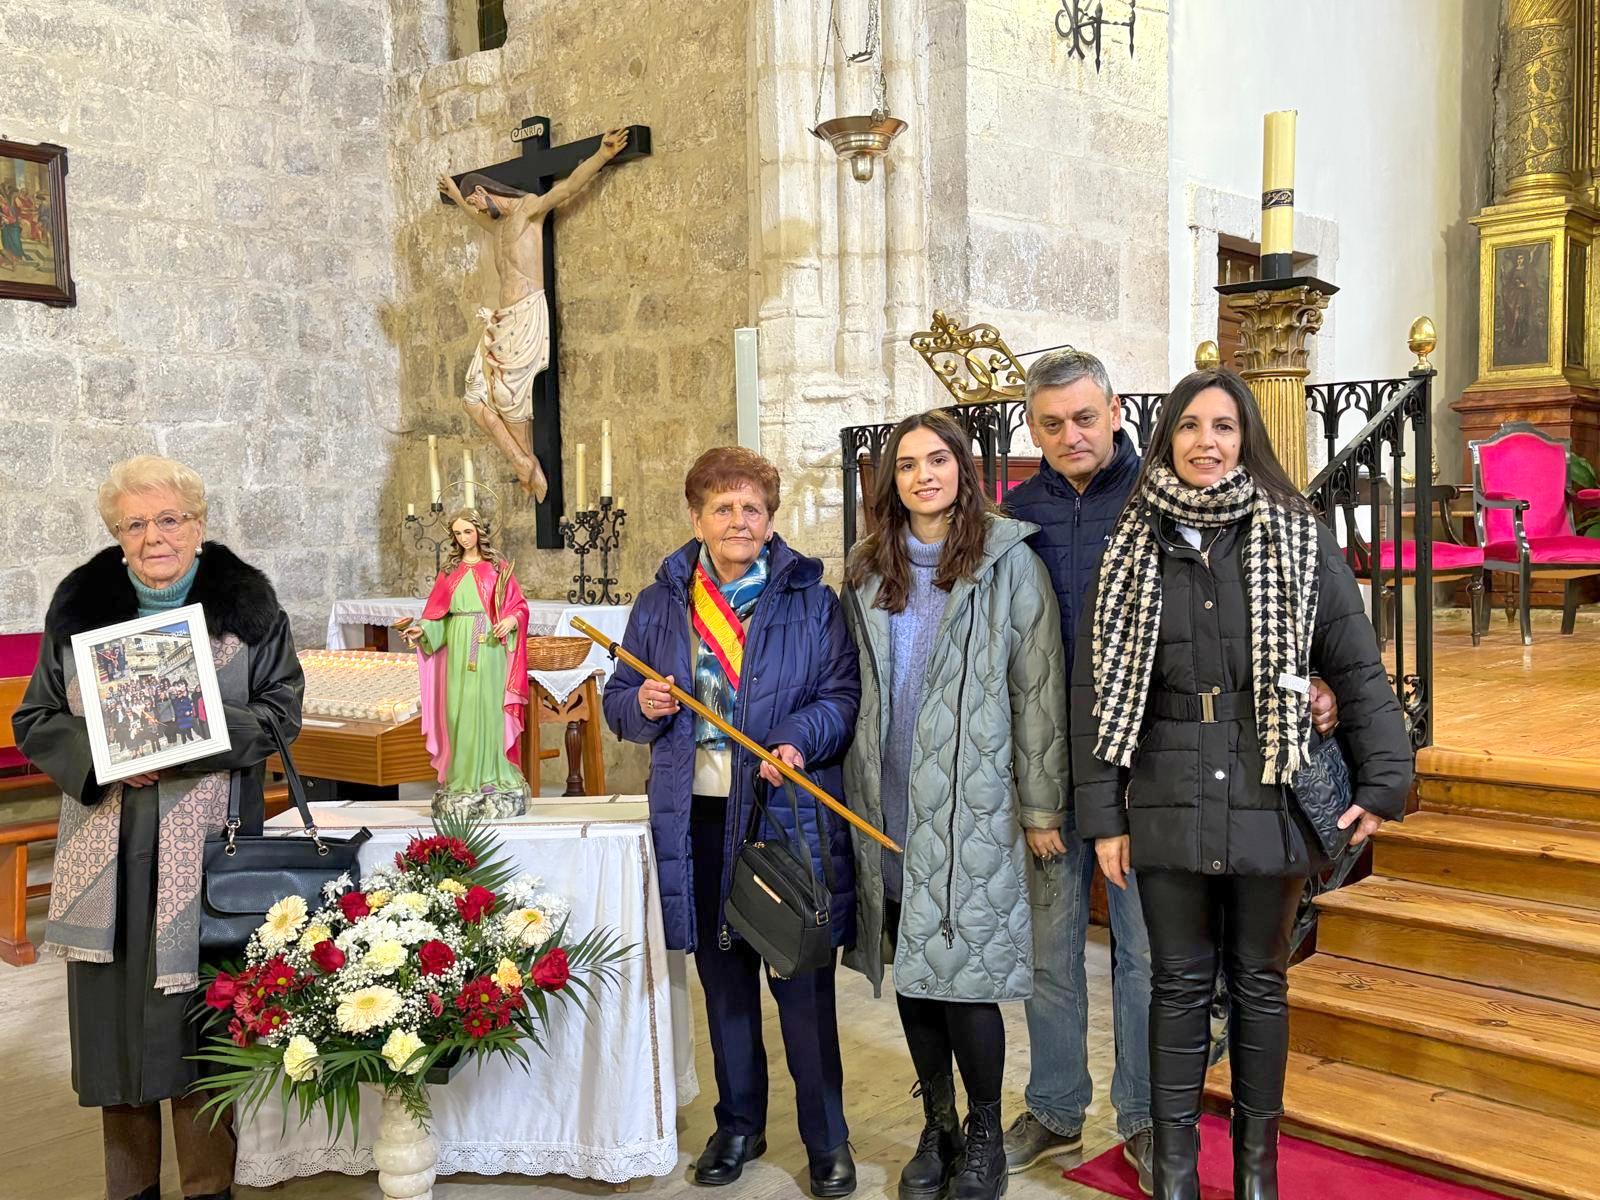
x=1306, y=1171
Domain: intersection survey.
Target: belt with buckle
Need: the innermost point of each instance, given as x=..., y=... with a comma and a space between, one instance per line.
x=1205, y=708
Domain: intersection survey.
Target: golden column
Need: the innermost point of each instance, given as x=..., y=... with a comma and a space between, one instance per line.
x=1280, y=311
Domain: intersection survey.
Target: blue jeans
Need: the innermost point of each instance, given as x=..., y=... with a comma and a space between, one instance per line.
x=1059, y=1087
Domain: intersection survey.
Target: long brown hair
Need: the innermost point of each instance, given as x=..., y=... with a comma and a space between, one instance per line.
x=485, y=545
x=883, y=553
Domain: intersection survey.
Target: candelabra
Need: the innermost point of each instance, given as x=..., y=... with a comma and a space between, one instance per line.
x=586, y=532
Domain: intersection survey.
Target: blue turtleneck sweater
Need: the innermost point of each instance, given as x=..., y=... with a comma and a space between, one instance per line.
x=155, y=600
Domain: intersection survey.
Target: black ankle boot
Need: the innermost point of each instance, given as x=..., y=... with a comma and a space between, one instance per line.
x=1177, y=1161
x=941, y=1143
x=982, y=1175
x=1255, y=1157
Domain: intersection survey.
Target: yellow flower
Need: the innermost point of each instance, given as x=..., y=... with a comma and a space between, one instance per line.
x=530, y=925
x=379, y=898
x=283, y=921
x=366, y=1009
x=313, y=935
x=414, y=903
x=300, y=1058
x=402, y=1044
x=384, y=957
x=507, y=976
x=452, y=887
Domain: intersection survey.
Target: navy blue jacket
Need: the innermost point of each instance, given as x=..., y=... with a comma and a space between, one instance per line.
x=801, y=686
x=1073, y=528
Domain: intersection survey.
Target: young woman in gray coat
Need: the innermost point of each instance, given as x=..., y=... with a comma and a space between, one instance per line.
x=1219, y=596
x=960, y=754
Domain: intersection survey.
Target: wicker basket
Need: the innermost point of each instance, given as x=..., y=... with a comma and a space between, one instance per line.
x=557, y=653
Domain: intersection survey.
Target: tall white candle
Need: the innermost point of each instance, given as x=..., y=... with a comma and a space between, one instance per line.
x=411, y=510
x=433, y=469
x=580, y=494
x=470, y=480
x=605, y=458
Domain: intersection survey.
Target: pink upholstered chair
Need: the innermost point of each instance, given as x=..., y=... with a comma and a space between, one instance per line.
x=1452, y=561
x=19, y=653
x=1524, y=523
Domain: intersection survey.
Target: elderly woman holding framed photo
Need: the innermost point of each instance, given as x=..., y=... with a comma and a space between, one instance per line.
x=124, y=908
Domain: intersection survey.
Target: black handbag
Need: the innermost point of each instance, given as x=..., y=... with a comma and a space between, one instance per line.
x=1323, y=792
x=246, y=874
x=777, y=903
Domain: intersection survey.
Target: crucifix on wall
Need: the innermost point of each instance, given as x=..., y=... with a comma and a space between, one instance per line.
x=513, y=384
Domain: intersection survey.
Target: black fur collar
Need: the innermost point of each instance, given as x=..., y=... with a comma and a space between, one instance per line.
x=237, y=597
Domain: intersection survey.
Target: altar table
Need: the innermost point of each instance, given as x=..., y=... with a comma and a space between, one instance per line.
x=602, y=1103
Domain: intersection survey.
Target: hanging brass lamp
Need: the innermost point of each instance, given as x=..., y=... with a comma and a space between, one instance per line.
x=858, y=139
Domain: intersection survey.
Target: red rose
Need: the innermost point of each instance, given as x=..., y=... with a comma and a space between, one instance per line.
x=240, y=1032
x=436, y=1003
x=221, y=993
x=436, y=958
x=474, y=904
x=328, y=957
x=551, y=972
x=354, y=906
x=270, y=1019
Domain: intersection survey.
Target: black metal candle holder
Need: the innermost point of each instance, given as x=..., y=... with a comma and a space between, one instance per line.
x=586, y=532
x=423, y=529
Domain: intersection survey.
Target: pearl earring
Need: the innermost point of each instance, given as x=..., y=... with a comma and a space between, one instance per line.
x=199, y=550
x=124, y=560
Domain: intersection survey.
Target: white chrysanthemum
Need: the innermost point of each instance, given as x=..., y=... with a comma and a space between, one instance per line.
x=520, y=892
x=414, y=903
x=414, y=931
x=555, y=906
x=283, y=922
x=367, y=1009
x=506, y=975
x=530, y=926
x=384, y=958
x=335, y=886
x=313, y=935
x=300, y=1058
x=347, y=939
x=452, y=887
x=402, y=1044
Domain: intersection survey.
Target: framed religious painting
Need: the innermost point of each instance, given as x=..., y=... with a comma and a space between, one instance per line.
x=150, y=696
x=1522, y=304
x=34, y=263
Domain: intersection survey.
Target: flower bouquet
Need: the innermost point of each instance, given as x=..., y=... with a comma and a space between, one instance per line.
x=441, y=958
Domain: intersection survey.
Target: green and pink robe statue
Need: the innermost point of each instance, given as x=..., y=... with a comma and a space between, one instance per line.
x=475, y=689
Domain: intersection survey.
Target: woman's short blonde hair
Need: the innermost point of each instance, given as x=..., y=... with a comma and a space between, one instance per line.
x=150, y=473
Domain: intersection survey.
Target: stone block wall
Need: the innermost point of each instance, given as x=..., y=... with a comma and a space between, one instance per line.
x=230, y=225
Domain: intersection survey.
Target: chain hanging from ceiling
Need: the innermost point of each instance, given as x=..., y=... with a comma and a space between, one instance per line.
x=859, y=139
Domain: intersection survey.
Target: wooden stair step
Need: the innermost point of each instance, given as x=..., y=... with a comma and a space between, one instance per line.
x=1433, y=1130
x=1549, y=863
x=1539, y=1053
x=1480, y=783
x=1520, y=945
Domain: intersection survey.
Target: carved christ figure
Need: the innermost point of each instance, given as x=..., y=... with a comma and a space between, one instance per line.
x=515, y=346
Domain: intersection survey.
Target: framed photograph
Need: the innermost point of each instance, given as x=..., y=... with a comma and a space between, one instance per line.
x=34, y=263
x=154, y=702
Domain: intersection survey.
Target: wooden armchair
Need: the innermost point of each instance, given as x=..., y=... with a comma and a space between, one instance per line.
x=1523, y=514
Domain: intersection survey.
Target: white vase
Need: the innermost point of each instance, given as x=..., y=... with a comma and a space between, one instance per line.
x=405, y=1152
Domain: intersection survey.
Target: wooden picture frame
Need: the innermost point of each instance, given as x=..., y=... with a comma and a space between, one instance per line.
x=34, y=260
x=150, y=693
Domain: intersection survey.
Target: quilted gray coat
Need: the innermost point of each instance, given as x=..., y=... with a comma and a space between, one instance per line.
x=989, y=757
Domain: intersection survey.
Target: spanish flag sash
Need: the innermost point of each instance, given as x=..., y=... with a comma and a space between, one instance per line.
x=717, y=624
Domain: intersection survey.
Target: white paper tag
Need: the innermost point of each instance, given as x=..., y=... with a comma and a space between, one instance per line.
x=1295, y=683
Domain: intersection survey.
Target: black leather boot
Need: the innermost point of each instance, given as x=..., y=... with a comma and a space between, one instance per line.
x=982, y=1174
x=833, y=1174
x=1177, y=1161
x=723, y=1159
x=939, y=1148
x=1255, y=1157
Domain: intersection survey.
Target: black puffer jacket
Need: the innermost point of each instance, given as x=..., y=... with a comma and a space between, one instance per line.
x=1194, y=796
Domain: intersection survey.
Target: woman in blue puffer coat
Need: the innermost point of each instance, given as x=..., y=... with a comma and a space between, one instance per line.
x=747, y=625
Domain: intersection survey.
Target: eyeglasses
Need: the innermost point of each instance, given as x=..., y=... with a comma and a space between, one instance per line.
x=168, y=523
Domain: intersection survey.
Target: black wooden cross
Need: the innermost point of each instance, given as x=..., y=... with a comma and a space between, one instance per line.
x=537, y=170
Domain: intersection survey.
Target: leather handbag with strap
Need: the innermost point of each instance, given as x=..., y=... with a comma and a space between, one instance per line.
x=246, y=874
x=777, y=903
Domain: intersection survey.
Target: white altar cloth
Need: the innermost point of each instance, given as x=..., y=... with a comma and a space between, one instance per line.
x=602, y=1103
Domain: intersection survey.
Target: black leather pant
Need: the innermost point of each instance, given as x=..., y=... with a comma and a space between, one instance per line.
x=1192, y=919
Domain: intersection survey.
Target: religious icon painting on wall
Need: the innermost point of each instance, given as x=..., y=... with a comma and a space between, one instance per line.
x=1522, y=304
x=34, y=262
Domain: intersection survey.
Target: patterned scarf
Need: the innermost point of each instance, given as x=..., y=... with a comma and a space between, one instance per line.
x=718, y=612
x=82, y=923
x=1280, y=569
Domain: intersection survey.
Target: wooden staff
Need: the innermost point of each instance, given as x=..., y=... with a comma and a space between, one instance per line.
x=761, y=752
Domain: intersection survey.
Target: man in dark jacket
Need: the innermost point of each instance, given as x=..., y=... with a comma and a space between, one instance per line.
x=1089, y=468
